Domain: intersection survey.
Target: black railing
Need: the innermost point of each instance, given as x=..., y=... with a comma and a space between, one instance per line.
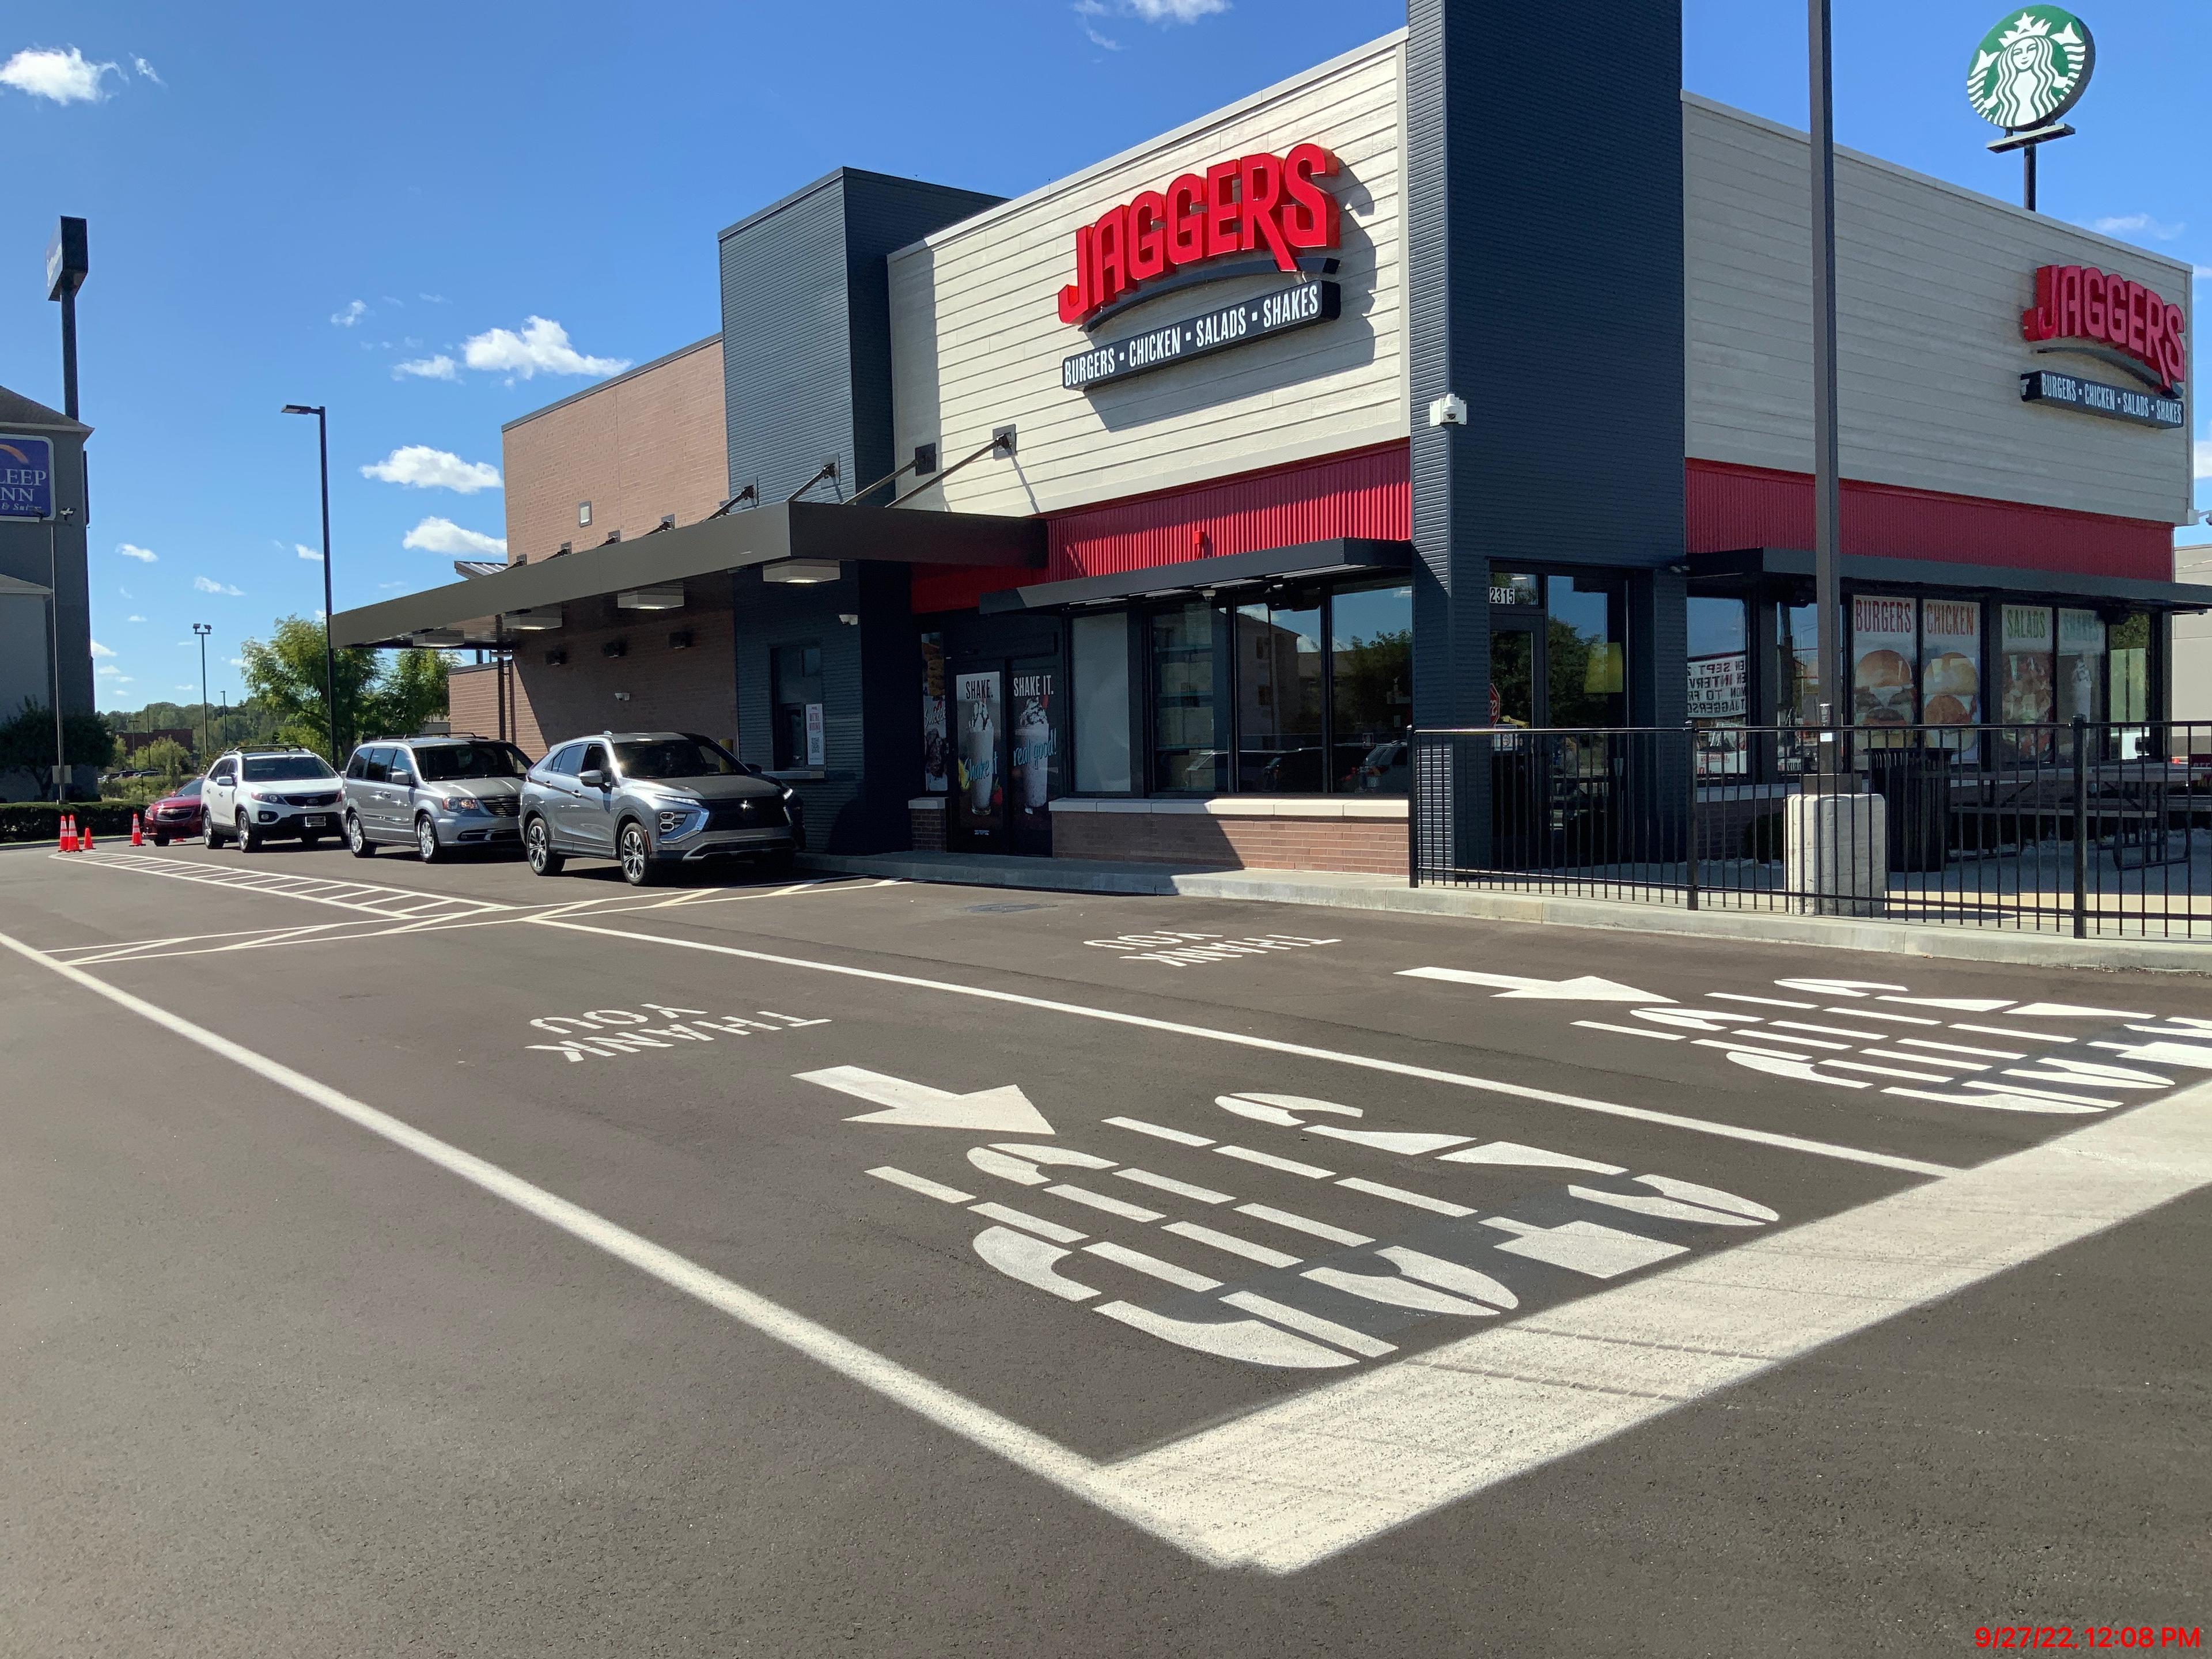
x=2088, y=829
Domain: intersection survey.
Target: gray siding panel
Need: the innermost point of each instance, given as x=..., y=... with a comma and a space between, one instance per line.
x=787, y=359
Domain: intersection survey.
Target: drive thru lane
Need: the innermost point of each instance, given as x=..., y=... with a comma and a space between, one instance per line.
x=733, y=1146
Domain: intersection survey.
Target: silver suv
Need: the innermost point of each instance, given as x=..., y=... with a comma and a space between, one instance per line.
x=652, y=801
x=254, y=795
x=434, y=795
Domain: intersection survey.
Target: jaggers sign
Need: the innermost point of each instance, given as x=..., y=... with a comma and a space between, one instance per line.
x=2111, y=318
x=1269, y=205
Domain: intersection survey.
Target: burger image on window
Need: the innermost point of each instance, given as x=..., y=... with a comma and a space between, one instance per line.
x=1953, y=686
x=1882, y=693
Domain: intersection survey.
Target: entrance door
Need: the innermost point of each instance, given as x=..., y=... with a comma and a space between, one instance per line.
x=1009, y=743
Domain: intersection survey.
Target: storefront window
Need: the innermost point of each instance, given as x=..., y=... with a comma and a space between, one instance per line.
x=1719, y=684
x=1586, y=645
x=1885, y=644
x=1187, y=752
x=2028, y=648
x=1950, y=672
x=2081, y=688
x=1102, y=704
x=2128, y=641
x=795, y=676
x=1371, y=637
x=1278, y=713
x=936, y=752
x=1796, y=665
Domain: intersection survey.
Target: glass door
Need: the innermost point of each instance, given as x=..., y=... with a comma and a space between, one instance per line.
x=1037, y=715
x=978, y=817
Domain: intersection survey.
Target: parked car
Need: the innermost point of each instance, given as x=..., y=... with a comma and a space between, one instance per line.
x=174, y=818
x=434, y=795
x=254, y=796
x=654, y=801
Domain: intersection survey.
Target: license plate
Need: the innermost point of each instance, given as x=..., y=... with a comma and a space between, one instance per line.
x=316, y=821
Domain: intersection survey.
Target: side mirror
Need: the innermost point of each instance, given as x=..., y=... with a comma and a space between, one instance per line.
x=592, y=778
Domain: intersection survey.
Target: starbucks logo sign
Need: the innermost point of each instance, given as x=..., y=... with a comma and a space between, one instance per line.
x=2031, y=68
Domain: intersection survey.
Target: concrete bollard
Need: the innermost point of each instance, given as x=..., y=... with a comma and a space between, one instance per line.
x=1836, y=854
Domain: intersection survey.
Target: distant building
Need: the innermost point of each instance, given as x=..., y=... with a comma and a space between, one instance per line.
x=2192, y=646
x=30, y=566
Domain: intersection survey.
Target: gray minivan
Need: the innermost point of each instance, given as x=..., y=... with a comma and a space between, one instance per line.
x=434, y=793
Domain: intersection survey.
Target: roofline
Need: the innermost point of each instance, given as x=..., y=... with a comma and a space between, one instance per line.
x=834, y=176
x=593, y=390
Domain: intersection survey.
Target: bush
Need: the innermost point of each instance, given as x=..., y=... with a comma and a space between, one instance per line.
x=38, y=820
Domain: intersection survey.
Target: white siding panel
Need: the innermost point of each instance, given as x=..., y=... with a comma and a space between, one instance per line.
x=976, y=339
x=1930, y=283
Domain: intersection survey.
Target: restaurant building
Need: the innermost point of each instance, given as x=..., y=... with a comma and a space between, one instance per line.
x=1143, y=515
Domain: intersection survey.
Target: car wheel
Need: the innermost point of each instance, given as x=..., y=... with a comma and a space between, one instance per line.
x=357, y=840
x=248, y=840
x=635, y=853
x=427, y=847
x=538, y=847
x=209, y=833
x=161, y=840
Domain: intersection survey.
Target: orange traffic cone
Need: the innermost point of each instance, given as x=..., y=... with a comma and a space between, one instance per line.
x=84, y=837
x=137, y=837
x=68, y=837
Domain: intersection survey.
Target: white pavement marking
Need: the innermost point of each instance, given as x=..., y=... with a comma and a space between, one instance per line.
x=916, y=1105
x=1294, y=1483
x=370, y=898
x=1272, y=1045
x=1585, y=989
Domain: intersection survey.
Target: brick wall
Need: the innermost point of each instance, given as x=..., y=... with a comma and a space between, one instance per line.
x=693, y=689
x=645, y=443
x=473, y=703
x=926, y=824
x=1376, y=846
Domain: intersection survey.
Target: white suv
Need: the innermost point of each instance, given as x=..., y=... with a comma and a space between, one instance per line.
x=256, y=795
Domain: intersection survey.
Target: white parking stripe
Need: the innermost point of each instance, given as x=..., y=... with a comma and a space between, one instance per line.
x=1293, y=1483
x=1273, y=1045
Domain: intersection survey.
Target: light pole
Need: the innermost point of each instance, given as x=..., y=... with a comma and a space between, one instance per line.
x=207, y=710
x=54, y=652
x=1827, y=507
x=330, y=656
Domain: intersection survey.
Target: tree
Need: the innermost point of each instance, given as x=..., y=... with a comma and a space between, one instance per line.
x=27, y=741
x=285, y=677
x=167, y=759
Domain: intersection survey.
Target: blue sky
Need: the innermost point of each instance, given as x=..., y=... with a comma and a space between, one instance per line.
x=289, y=203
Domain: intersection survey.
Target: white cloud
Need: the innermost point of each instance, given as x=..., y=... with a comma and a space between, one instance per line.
x=1174, y=11
x=143, y=555
x=134, y=619
x=1098, y=39
x=2138, y=224
x=307, y=552
x=542, y=347
x=443, y=536
x=66, y=76
x=237, y=662
x=420, y=467
x=188, y=687
x=207, y=584
x=440, y=367
x=355, y=311
x=99, y=650
x=2204, y=458
x=435, y=299
x=147, y=70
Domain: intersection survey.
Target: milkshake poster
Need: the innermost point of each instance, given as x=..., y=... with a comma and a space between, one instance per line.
x=1036, y=744
x=979, y=795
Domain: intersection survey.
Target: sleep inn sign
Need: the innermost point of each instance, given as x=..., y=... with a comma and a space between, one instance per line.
x=27, y=477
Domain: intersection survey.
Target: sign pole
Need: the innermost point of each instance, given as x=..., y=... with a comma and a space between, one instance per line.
x=54, y=658
x=1828, y=515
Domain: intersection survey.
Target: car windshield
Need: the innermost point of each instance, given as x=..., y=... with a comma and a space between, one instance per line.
x=193, y=789
x=675, y=757
x=446, y=762
x=285, y=769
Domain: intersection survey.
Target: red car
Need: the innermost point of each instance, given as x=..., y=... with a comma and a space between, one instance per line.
x=175, y=816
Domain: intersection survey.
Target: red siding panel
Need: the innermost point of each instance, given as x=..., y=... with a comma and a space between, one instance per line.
x=1367, y=493
x=1738, y=506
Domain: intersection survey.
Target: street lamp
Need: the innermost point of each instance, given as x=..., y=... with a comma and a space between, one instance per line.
x=330, y=656
x=207, y=710
x=1828, y=504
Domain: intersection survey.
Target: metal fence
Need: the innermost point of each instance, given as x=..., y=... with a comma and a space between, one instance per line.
x=2088, y=829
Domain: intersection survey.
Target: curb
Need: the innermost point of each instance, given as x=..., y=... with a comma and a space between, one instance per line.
x=1292, y=887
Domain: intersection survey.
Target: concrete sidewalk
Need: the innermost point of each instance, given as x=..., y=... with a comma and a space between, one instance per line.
x=1333, y=890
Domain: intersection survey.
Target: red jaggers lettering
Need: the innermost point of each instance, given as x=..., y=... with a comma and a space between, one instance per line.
x=2079, y=302
x=1269, y=205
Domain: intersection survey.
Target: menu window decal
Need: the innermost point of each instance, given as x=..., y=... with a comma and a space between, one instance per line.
x=1885, y=643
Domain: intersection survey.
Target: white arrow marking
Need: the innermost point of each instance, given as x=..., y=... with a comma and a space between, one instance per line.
x=917, y=1106
x=2070, y=1011
x=1587, y=989
x=1960, y=1004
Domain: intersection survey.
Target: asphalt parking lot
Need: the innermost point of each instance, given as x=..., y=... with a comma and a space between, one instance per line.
x=438, y=1259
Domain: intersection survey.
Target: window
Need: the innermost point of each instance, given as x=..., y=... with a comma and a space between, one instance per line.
x=1719, y=682
x=2080, y=685
x=358, y=766
x=1586, y=644
x=1797, y=664
x=583, y=515
x=1279, y=703
x=675, y=757
x=449, y=763
x=1371, y=642
x=1951, y=671
x=1187, y=753
x=935, y=753
x=2028, y=671
x=1885, y=646
x=594, y=759
x=2128, y=650
x=286, y=769
x=795, y=672
x=1101, y=646
x=403, y=766
x=375, y=765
